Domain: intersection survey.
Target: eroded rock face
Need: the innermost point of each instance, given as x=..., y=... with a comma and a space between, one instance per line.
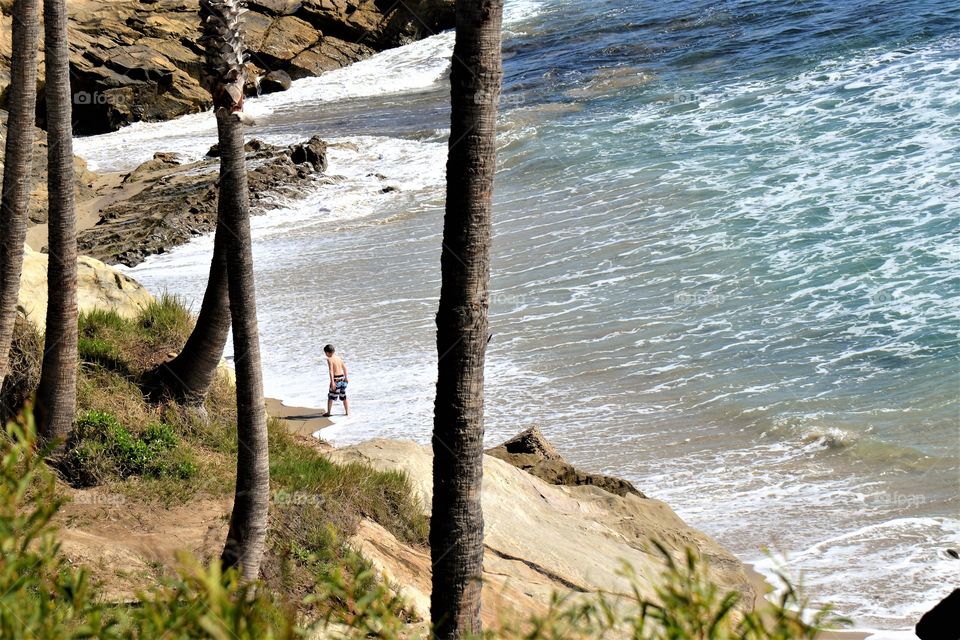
x=532, y=452
x=542, y=538
x=98, y=287
x=137, y=60
x=174, y=203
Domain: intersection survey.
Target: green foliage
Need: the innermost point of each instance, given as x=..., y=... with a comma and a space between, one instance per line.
x=40, y=595
x=205, y=603
x=101, y=448
x=316, y=505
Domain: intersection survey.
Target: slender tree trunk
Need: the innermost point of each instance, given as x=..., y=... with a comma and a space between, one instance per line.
x=456, y=525
x=188, y=376
x=57, y=393
x=248, y=522
x=224, y=77
x=18, y=166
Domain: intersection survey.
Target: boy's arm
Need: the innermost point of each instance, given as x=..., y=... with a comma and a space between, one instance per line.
x=346, y=374
x=330, y=371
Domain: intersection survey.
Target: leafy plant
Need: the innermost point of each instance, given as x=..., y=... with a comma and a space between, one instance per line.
x=101, y=448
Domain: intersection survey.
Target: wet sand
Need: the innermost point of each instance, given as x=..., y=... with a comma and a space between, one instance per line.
x=301, y=420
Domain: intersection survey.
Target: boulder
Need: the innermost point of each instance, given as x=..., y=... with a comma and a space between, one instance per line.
x=285, y=38
x=98, y=287
x=275, y=81
x=532, y=452
x=542, y=539
x=312, y=152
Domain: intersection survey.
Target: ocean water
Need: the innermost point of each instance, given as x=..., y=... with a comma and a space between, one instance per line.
x=726, y=266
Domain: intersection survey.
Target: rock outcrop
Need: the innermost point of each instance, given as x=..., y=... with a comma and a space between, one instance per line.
x=98, y=287
x=135, y=60
x=532, y=452
x=168, y=203
x=541, y=538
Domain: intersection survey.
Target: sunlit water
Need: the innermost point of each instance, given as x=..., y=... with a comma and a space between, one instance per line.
x=726, y=266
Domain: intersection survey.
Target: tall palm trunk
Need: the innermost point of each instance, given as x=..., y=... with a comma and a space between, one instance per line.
x=188, y=376
x=57, y=394
x=224, y=78
x=18, y=161
x=456, y=524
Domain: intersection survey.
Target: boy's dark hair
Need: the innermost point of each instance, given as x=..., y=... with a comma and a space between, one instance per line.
x=329, y=349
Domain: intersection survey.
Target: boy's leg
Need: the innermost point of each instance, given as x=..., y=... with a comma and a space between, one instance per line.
x=329, y=406
x=346, y=407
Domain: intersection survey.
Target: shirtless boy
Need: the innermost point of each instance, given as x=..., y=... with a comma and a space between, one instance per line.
x=338, y=380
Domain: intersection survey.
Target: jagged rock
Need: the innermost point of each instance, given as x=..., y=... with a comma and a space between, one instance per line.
x=275, y=81
x=312, y=152
x=161, y=160
x=275, y=7
x=541, y=538
x=533, y=453
x=284, y=39
x=98, y=287
x=175, y=203
x=133, y=60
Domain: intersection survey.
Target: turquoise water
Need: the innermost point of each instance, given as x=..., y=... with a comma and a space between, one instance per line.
x=727, y=266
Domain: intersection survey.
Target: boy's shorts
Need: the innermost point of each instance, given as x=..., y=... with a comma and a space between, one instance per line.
x=340, y=389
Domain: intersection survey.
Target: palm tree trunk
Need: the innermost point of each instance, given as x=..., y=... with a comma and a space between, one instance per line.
x=57, y=393
x=188, y=376
x=18, y=166
x=224, y=77
x=456, y=524
x=248, y=522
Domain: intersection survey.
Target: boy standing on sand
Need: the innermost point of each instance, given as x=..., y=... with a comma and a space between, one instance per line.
x=338, y=380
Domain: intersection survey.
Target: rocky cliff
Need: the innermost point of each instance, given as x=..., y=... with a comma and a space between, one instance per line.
x=541, y=538
x=135, y=60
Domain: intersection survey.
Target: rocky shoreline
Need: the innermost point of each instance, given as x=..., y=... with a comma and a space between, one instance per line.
x=138, y=60
x=164, y=203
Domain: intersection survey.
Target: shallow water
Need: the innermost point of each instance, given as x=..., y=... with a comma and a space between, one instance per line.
x=726, y=266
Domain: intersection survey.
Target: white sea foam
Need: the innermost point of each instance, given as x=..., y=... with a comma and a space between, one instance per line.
x=412, y=67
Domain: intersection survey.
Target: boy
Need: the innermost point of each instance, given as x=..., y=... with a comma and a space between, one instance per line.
x=338, y=380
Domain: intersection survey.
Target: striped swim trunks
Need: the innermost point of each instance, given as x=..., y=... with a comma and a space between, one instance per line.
x=340, y=389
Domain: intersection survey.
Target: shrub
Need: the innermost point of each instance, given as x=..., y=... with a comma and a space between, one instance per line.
x=41, y=596
x=101, y=448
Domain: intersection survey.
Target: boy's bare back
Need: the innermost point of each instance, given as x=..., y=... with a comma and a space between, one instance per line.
x=336, y=364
